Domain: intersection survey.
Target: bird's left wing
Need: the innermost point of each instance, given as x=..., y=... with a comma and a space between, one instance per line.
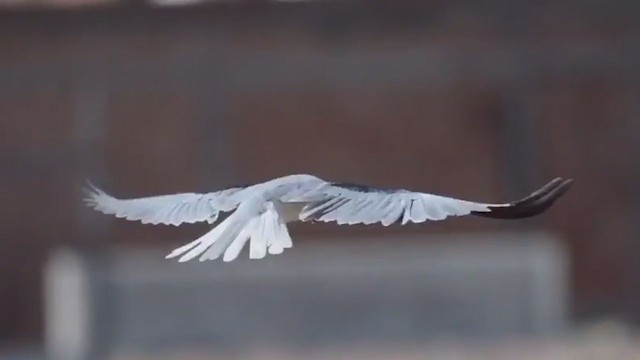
x=165, y=209
x=356, y=204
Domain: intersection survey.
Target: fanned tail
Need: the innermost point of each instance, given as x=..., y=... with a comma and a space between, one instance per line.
x=266, y=233
x=213, y=242
x=270, y=235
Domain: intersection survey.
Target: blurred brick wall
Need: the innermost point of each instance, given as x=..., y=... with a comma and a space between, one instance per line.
x=180, y=114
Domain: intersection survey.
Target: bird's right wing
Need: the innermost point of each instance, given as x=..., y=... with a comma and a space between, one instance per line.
x=348, y=203
x=165, y=209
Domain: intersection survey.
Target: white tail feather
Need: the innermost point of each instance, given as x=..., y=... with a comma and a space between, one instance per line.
x=281, y=240
x=222, y=242
x=266, y=233
x=198, y=246
x=183, y=249
x=236, y=246
x=284, y=239
x=258, y=243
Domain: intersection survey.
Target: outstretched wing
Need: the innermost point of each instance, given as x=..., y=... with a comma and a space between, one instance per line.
x=165, y=209
x=356, y=204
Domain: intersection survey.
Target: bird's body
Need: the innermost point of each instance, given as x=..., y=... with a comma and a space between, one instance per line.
x=260, y=212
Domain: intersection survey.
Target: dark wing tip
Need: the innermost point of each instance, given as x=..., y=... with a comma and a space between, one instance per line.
x=532, y=205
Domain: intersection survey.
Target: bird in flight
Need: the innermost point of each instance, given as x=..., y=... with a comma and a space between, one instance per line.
x=261, y=211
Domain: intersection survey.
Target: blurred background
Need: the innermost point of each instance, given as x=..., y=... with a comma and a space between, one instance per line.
x=464, y=98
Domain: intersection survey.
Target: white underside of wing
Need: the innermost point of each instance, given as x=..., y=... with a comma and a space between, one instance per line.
x=262, y=211
x=354, y=207
x=166, y=209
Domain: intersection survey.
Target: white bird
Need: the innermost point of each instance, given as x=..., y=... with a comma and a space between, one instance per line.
x=261, y=211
